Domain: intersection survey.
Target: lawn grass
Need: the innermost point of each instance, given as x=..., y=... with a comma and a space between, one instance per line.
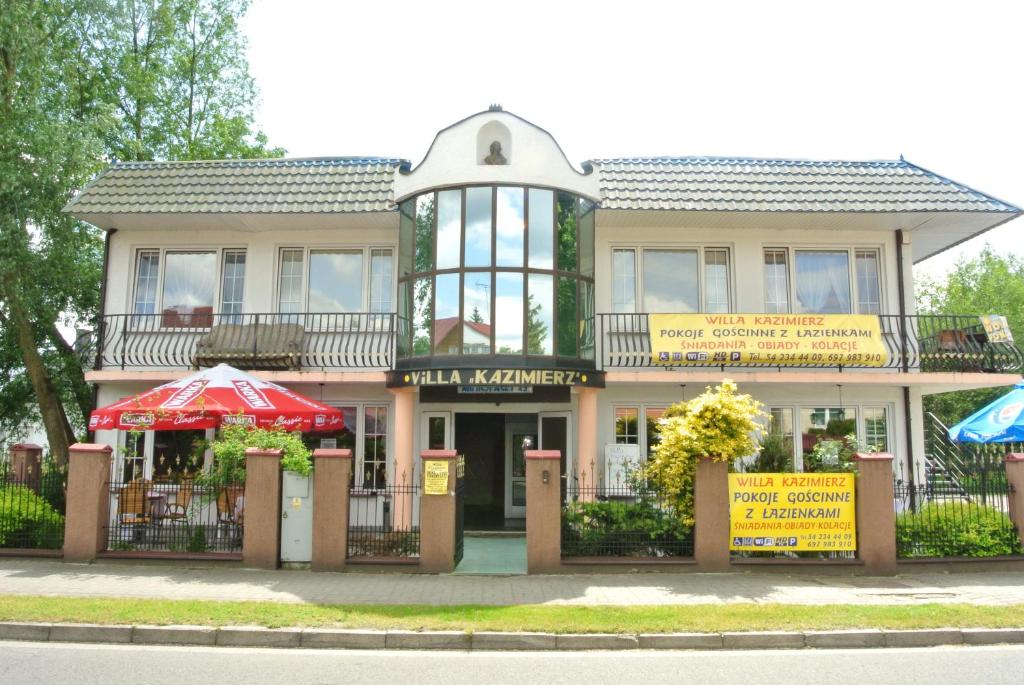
x=473, y=617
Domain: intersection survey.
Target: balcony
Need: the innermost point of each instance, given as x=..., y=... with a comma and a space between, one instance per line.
x=248, y=341
x=926, y=343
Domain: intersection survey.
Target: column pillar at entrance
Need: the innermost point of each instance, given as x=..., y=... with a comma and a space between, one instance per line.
x=405, y=468
x=586, y=441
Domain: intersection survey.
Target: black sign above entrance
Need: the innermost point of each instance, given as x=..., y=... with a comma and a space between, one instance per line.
x=472, y=377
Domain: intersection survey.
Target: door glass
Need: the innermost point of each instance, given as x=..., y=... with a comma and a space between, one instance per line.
x=436, y=433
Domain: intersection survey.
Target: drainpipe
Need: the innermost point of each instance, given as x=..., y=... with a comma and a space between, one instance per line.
x=904, y=350
x=100, y=323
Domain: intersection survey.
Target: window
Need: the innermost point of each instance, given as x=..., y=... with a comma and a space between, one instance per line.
x=182, y=286
x=339, y=280
x=876, y=428
x=821, y=282
x=134, y=465
x=627, y=427
x=868, y=296
x=175, y=454
x=375, y=449
x=232, y=282
x=672, y=280
x=782, y=425
x=776, y=282
x=653, y=427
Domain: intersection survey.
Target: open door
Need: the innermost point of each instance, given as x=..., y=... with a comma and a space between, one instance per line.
x=555, y=434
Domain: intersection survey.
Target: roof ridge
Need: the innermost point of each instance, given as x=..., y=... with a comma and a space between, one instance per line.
x=267, y=161
x=759, y=160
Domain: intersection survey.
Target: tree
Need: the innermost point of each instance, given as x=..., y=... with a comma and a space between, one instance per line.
x=536, y=328
x=988, y=284
x=83, y=82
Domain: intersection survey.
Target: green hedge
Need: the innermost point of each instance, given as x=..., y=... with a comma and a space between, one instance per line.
x=626, y=529
x=955, y=529
x=28, y=520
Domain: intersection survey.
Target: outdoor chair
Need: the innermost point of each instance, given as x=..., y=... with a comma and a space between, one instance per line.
x=177, y=510
x=228, y=512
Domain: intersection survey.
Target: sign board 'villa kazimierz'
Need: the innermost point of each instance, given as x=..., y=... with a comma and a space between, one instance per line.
x=496, y=292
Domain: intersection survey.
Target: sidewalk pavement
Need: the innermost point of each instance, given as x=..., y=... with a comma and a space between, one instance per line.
x=106, y=579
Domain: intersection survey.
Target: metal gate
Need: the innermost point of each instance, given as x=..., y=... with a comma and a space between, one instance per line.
x=460, y=500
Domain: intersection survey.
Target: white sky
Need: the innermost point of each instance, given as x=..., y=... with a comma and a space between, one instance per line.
x=938, y=82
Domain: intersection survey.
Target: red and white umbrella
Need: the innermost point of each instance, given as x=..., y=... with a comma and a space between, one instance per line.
x=221, y=395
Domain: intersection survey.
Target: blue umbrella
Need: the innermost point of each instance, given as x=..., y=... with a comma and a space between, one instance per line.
x=1001, y=421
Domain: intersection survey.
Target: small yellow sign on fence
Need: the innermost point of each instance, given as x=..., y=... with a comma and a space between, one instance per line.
x=792, y=512
x=435, y=477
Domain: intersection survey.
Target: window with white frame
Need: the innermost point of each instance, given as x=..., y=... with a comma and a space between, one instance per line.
x=876, y=428
x=182, y=285
x=670, y=279
x=364, y=431
x=822, y=281
x=335, y=280
x=630, y=430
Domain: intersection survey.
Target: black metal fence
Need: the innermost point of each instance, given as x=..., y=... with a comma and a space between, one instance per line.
x=181, y=517
x=384, y=522
x=32, y=506
x=248, y=341
x=961, y=516
x=925, y=342
x=623, y=521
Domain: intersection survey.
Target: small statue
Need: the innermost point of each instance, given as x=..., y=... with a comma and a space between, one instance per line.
x=495, y=157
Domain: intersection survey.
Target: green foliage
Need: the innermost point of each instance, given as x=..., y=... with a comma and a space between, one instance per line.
x=623, y=528
x=197, y=541
x=775, y=456
x=27, y=520
x=836, y=456
x=955, y=529
x=991, y=283
x=229, y=453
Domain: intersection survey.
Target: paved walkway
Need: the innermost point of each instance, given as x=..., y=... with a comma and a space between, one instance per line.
x=48, y=577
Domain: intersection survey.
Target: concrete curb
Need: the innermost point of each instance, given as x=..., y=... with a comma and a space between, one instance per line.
x=339, y=638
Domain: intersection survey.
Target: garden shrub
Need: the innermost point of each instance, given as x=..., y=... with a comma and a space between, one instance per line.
x=623, y=528
x=955, y=529
x=229, y=452
x=28, y=521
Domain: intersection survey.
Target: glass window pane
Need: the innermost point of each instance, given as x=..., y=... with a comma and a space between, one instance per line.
x=823, y=282
x=868, y=296
x=343, y=438
x=624, y=281
x=587, y=320
x=380, y=280
x=436, y=432
x=189, y=283
x=478, y=226
x=446, y=321
x=716, y=281
x=776, y=282
x=876, y=428
x=567, y=259
x=510, y=226
x=424, y=249
x=449, y=228
x=587, y=238
x=568, y=321
x=146, y=281
x=821, y=423
x=539, y=319
x=289, y=291
x=176, y=454
x=670, y=281
x=541, y=231
x=335, y=281
x=626, y=426
x=406, y=236
x=375, y=448
x=476, y=328
x=653, y=427
x=403, y=336
x=423, y=316
x=232, y=288
x=508, y=313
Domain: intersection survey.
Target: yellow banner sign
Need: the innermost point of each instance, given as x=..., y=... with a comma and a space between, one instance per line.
x=794, y=512
x=768, y=339
x=435, y=477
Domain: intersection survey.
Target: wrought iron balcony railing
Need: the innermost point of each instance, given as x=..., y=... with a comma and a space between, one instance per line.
x=941, y=343
x=248, y=341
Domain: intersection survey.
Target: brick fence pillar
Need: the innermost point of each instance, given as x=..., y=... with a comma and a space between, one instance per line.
x=88, y=501
x=876, y=514
x=26, y=465
x=1015, y=483
x=437, y=517
x=711, y=515
x=333, y=470
x=543, y=511
x=261, y=539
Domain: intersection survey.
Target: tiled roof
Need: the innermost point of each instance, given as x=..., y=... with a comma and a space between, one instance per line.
x=334, y=184
x=776, y=185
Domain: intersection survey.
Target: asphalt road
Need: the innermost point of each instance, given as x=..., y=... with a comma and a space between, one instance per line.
x=35, y=663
